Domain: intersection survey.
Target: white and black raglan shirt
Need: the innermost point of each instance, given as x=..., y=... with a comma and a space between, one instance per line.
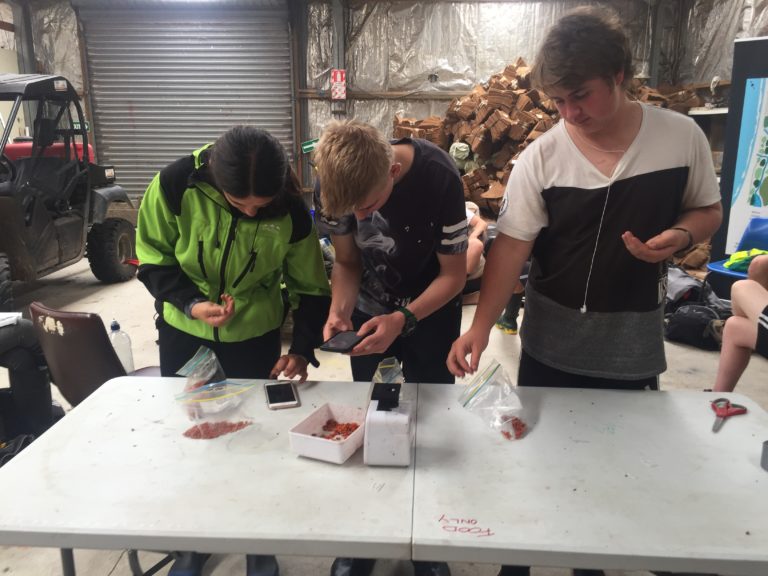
x=399, y=243
x=555, y=196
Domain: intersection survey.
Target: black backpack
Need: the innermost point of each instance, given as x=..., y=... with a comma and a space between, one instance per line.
x=696, y=325
x=683, y=289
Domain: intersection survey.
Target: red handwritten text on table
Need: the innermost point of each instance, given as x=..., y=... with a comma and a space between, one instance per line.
x=467, y=526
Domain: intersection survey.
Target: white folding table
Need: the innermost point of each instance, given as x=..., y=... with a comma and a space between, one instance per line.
x=116, y=472
x=605, y=479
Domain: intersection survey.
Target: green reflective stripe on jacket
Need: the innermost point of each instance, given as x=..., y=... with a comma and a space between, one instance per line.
x=223, y=253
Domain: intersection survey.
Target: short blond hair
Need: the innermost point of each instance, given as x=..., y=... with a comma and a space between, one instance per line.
x=351, y=158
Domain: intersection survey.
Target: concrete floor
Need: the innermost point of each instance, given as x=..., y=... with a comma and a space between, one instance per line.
x=76, y=289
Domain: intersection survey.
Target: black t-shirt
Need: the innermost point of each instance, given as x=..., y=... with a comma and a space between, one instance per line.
x=399, y=243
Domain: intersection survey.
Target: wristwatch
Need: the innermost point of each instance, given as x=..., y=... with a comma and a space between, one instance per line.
x=410, y=321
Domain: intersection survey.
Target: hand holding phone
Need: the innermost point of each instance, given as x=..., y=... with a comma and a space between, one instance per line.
x=342, y=341
x=281, y=395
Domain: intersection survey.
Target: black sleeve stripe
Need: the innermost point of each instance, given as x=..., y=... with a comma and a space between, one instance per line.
x=174, y=180
x=168, y=284
x=300, y=219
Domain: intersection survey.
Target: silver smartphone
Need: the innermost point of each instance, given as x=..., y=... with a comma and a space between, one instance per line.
x=281, y=395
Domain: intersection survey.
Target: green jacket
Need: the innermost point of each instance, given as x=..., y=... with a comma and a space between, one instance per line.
x=193, y=245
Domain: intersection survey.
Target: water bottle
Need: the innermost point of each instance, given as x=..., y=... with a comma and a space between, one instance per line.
x=121, y=342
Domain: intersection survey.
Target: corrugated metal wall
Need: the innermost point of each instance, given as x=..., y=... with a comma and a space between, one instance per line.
x=164, y=81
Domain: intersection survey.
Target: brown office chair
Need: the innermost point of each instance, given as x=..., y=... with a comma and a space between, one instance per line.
x=80, y=358
x=77, y=349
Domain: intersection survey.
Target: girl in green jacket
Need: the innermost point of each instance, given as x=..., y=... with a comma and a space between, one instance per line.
x=219, y=231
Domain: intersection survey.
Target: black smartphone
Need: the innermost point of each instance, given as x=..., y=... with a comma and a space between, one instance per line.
x=281, y=395
x=342, y=342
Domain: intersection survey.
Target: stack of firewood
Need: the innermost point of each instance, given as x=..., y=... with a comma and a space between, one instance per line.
x=497, y=119
x=500, y=117
x=431, y=129
x=675, y=98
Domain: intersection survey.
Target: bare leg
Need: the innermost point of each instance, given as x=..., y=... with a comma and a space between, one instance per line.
x=758, y=270
x=749, y=299
x=739, y=338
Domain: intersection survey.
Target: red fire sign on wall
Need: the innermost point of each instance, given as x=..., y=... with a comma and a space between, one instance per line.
x=338, y=84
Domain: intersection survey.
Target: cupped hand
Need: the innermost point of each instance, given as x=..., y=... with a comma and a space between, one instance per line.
x=290, y=365
x=213, y=314
x=656, y=249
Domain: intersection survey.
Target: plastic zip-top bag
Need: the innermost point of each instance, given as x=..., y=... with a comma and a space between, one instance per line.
x=389, y=371
x=212, y=402
x=491, y=396
x=201, y=369
x=216, y=408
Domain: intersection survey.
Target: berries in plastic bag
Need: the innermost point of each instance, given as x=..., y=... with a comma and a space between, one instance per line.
x=209, y=399
x=491, y=396
x=216, y=408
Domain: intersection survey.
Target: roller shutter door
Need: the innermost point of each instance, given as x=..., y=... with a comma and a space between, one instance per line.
x=166, y=81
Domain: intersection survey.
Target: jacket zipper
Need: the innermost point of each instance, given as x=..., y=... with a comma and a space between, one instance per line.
x=200, y=259
x=249, y=266
x=222, y=270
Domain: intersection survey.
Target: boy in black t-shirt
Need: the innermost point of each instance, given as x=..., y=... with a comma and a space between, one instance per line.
x=395, y=213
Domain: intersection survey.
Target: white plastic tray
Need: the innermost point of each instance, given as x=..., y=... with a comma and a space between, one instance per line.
x=337, y=451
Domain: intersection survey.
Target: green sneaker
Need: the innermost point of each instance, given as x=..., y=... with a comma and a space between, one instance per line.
x=507, y=326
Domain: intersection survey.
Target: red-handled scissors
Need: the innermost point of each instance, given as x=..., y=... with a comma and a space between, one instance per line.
x=723, y=409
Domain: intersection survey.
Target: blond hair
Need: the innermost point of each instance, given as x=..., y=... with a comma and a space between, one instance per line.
x=351, y=159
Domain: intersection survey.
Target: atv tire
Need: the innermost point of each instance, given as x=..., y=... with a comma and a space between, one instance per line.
x=111, y=250
x=6, y=293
